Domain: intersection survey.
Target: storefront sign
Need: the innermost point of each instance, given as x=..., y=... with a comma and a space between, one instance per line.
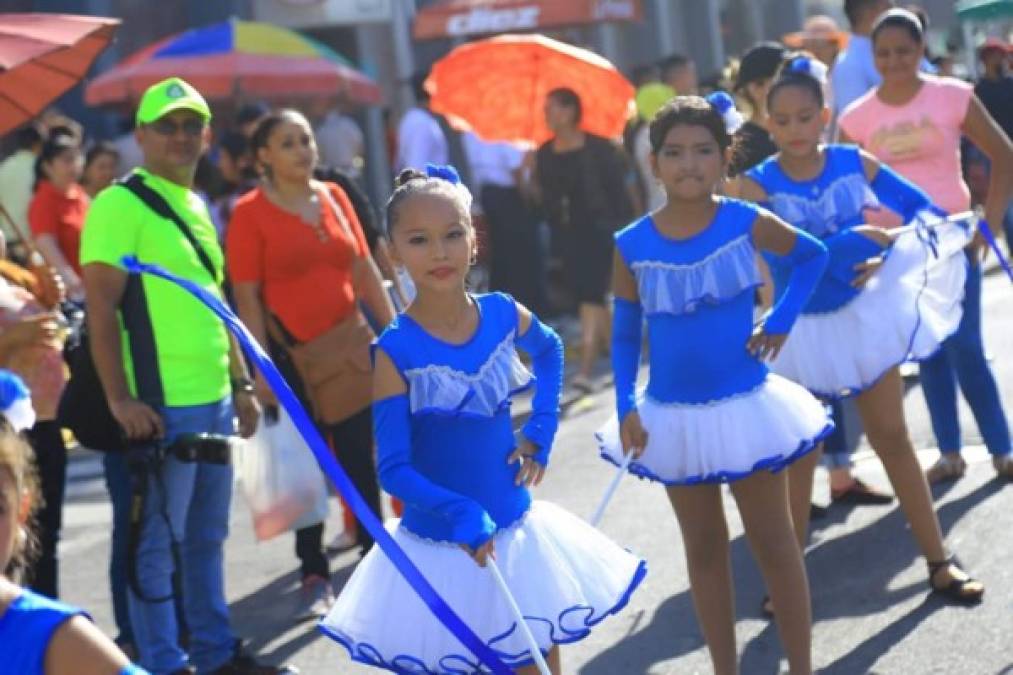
x=493, y=20
x=322, y=13
x=455, y=18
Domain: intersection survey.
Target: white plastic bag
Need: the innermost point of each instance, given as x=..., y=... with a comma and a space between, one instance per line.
x=280, y=479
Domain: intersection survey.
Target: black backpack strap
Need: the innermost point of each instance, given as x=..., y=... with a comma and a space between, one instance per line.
x=154, y=201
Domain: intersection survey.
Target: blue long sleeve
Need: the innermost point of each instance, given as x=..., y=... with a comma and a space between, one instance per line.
x=546, y=350
x=808, y=258
x=392, y=428
x=899, y=194
x=627, y=330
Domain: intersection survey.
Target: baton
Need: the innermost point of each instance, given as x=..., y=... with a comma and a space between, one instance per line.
x=536, y=652
x=613, y=486
x=953, y=218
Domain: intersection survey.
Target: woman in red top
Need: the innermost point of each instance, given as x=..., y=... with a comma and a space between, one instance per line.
x=56, y=212
x=297, y=256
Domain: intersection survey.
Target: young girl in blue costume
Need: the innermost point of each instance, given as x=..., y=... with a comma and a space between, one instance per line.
x=38, y=636
x=886, y=297
x=711, y=413
x=445, y=372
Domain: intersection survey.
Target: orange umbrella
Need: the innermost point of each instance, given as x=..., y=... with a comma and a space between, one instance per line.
x=497, y=87
x=42, y=56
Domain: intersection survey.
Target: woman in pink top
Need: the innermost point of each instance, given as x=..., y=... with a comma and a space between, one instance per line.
x=914, y=123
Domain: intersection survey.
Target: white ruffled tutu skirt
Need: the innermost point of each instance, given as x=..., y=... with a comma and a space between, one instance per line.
x=565, y=575
x=766, y=428
x=904, y=313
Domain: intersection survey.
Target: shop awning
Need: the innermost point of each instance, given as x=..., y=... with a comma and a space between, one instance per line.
x=455, y=18
x=984, y=10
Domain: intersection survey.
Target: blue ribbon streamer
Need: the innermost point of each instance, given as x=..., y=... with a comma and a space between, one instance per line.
x=928, y=236
x=332, y=469
x=986, y=232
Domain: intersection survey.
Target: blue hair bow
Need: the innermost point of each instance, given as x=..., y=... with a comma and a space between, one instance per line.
x=444, y=172
x=721, y=102
x=724, y=105
x=801, y=64
x=15, y=402
x=806, y=66
x=12, y=388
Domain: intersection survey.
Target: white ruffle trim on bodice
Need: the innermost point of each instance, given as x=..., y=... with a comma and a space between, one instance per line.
x=667, y=288
x=442, y=389
x=819, y=215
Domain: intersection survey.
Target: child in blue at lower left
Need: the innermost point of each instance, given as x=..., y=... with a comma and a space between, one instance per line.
x=37, y=634
x=445, y=372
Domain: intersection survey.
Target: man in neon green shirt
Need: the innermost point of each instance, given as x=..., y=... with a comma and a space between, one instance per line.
x=165, y=363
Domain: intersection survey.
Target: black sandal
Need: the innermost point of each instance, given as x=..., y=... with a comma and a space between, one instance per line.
x=956, y=589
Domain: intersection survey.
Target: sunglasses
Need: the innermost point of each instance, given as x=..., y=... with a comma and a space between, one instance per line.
x=166, y=127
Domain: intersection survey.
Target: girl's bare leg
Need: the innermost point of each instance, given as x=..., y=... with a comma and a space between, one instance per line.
x=882, y=411
x=763, y=505
x=552, y=658
x=800, y=493
x=605, y=328
x=589, y=336
x=705, y=536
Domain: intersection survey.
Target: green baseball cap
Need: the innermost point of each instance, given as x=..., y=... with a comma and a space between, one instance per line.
x=168, y=95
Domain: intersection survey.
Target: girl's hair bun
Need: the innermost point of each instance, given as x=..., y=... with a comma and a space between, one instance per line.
x=408, y=175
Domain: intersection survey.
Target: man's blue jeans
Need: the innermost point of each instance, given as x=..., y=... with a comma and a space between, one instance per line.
x=836, y=453
x=962, y=360
x=194, y=497
x=118, y=483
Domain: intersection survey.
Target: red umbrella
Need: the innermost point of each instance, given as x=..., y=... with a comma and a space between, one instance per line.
x=497, y=87
x=42, y=56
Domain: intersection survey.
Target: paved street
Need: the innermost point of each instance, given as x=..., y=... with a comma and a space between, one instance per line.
x=872, y=612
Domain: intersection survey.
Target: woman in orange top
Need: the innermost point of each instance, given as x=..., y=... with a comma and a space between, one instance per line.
x=291, y=255
x=56, y=212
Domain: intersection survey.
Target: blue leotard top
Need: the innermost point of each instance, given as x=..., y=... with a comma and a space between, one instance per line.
x=827, y=207
x=27, y=627
x=460, y=425
x=697, y=296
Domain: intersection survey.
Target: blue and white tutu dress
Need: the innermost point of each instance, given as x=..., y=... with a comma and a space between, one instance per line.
x=565, y=575
x=846, y=339
x=712, y=411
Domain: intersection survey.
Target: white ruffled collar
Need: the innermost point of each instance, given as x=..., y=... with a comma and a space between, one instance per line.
x=820, y=215
x=439, y=388
x=672, y=288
